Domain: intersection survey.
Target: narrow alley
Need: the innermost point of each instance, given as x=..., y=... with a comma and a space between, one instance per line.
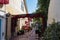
x=27, y=36
x=18, y=19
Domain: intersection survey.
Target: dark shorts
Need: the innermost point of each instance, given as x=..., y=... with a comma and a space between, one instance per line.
x=37, y=31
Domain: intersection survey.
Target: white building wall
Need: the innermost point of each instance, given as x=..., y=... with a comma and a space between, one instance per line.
x=22, y=22
x=54, y=11
x=14, y=7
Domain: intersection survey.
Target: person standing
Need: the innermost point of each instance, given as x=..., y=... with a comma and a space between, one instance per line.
x=38, y=27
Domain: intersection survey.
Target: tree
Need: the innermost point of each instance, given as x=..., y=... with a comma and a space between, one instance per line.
x=43, y=6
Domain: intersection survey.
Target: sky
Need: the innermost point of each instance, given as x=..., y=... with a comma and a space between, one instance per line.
x=31, y=5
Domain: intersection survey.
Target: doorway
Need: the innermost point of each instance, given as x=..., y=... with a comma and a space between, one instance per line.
x=13, y=26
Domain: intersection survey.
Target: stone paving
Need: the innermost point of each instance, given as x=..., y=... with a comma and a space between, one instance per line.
x=27, y=36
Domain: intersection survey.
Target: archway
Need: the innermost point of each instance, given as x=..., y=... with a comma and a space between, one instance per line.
x=37, y=15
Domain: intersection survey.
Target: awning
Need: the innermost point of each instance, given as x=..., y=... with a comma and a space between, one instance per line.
x=4, y=1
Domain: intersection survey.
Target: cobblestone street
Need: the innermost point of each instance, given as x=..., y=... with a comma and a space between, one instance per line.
x=27, y=36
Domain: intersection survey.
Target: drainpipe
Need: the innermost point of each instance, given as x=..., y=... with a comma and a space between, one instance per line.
x=7, y=15
x=6, y=28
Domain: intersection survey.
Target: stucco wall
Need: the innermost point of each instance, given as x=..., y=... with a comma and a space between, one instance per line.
x=22, y=22
x=54, y=11
x=14, y=7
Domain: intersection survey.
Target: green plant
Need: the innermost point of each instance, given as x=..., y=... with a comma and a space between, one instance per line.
x=52, y=32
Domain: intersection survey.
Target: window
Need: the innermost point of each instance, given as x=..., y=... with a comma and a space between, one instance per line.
x=22, y=6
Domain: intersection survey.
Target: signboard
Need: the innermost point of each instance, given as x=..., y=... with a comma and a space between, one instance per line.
x=4, y=1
